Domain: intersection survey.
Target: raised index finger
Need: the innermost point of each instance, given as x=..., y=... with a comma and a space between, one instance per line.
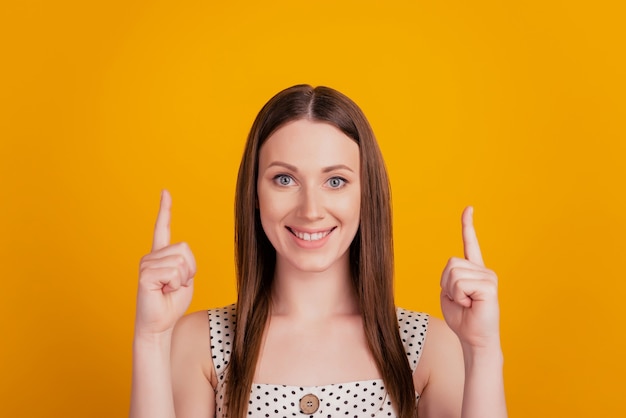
x=162, y=227
x=470, y=240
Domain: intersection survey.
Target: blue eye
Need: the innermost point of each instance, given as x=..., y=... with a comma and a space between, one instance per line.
x=336, y=182
x=283, y=180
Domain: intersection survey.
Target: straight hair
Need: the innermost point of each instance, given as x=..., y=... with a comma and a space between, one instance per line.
x=371, y=251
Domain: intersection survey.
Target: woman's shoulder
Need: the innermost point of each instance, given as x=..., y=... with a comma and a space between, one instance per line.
x=192, y=340
x=221, y=317
x=422, y=322
x=440, y=335
x=201, y=327
x=442, y=356
x=193, y=377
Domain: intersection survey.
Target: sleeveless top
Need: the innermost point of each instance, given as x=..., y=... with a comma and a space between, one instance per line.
x=352, y=399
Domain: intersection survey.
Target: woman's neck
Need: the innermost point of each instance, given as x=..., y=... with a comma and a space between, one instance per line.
x=313, y=295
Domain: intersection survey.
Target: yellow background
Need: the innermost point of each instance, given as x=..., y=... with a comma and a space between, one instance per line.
x=515, y=107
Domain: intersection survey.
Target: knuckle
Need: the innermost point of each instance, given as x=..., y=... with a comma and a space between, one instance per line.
x=456, y=260
x=144, y=266
x=179, y=260
x=444, y=277
x=491, y=289
x=176, y=274
x=454, y=274
x=453, y=262
x=144, y=259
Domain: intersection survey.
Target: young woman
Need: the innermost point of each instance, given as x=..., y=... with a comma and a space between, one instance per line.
x=315, y=331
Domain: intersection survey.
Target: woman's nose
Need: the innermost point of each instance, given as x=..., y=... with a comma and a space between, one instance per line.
x=311, y=206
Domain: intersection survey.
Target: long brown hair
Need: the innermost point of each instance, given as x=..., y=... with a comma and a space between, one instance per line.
x=371, y=252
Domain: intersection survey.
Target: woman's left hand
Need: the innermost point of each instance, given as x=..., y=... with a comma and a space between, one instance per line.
x=469, y=293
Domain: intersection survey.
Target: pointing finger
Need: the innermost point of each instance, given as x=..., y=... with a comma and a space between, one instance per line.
x=470, y=241
x=162, y=226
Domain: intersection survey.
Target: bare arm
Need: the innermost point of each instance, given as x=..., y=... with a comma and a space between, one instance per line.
x=484, y=384
x=164, y=292
x=173, y=375
x=461, y=374
x=454, y=382
x=151, y=393
x=193, y=375
x=439, y=377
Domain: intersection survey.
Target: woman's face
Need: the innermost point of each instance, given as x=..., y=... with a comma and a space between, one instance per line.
x=309, y=194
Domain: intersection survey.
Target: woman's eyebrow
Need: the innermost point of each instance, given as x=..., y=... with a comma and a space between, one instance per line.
x=337, y=167
x=285, y=165
x=324, y=170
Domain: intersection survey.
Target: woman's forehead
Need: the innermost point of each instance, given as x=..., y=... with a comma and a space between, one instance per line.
x=309, y=143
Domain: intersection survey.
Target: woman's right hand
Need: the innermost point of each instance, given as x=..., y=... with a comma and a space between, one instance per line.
x=165, y=279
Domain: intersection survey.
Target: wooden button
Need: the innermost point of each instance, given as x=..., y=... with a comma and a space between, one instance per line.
x=309, y=403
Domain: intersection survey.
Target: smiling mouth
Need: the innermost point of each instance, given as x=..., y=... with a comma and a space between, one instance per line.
x=306, y=236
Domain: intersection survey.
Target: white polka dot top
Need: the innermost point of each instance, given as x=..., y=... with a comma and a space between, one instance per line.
x=354, y=399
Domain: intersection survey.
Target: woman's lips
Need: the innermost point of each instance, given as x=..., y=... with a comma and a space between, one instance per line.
x=310, y=236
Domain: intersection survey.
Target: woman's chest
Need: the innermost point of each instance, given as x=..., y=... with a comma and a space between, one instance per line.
x=315, y=356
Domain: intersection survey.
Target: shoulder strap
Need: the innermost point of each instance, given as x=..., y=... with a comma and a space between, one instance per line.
x=221, y=329
x=412, y=327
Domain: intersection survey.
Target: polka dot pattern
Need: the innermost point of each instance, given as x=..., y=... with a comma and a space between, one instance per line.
x=353, y=399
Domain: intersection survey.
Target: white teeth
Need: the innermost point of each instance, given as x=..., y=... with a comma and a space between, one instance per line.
x=311, y=237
